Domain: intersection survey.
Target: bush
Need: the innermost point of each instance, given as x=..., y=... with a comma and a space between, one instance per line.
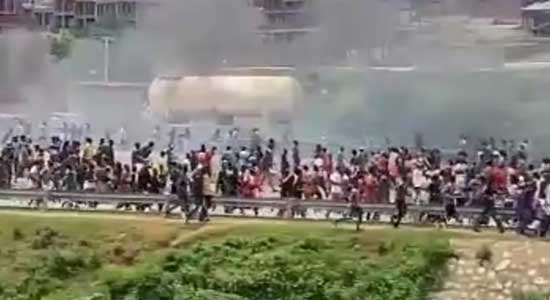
x=190, y=294
x=44, y=238
x=484, y=255
x=36, y=286
x=124, y=255
x=61, y=46
x=385, y=247
x=63, y=265
x=260, y=269
x=94, y=262
x=311, y=244
x=520, y=295
x=17, y=234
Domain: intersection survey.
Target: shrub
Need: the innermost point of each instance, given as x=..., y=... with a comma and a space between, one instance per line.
x=385, y=247
x=63, y=265
x=44, y=238
x=126, y=255
x=84, y=243
x=17, y=234
x=62, y=45
x=36, y=286
x=312, y=244
x=118, y=250
x=484, y=255
x=94, y=262
x=312, y=270
x=530, y=295
x=235, y=243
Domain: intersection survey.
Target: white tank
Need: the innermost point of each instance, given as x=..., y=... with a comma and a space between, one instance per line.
x=196, y=97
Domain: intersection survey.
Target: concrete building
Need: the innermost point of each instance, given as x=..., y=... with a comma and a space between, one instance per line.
x=59, y=14
x=12, y=15
x=92, y=11
x=284, y=20
x=536, y=18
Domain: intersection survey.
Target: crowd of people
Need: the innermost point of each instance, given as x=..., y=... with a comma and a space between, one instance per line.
x=488, y=177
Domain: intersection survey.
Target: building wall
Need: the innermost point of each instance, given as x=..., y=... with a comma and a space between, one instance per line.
x=284, y=20
x=8, y=6
x=498, y=8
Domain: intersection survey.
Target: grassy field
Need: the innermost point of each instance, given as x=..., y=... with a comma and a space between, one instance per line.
x=65, y=256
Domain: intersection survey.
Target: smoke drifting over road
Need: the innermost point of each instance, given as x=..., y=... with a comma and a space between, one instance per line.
x=30, y=82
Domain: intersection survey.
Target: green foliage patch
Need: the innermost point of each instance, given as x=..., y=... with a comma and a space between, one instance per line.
x=272, y=268
x=91, y=258
x=61, y=46
x=530, y=295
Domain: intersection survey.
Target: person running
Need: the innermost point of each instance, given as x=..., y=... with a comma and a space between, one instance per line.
x=487, y=201
x=525, y=205
x=197, y=189
x=400, y=203
x=355, y=211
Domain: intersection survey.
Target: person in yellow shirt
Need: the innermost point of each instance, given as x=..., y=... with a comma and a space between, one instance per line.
x=161, y=164
x=88, y=152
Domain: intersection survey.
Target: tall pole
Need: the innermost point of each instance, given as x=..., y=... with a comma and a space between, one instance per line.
x=106, y=59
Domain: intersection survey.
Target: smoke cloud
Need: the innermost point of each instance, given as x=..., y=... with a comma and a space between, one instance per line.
x=30, y=82
x=447, y=94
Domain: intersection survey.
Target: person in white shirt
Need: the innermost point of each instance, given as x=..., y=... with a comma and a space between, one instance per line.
x=123, y=138
x=419, y=182
x=544, y=203
x=459, y=172
x=215, y=164
x=336, y=185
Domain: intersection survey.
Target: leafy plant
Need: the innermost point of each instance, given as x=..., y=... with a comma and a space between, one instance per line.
x=44, y=238
x=385, y=247
x=484, y=255
x=263, y=269
x=17, y=234
x=530, y=295
x=61, y=45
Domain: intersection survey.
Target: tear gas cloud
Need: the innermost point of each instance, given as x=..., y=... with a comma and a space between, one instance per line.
x=30, y=82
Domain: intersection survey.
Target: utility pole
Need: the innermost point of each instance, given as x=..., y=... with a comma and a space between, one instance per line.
x=106, y=59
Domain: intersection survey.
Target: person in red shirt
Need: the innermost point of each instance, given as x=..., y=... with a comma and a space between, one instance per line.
x=371, y=187
x=498, y=178
x=382, y=163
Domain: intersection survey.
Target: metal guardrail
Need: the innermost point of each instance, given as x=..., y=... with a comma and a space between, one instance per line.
x=153, y=199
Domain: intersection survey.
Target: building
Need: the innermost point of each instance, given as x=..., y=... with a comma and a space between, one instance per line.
x=12, y=15
x=8, y=7
x=536, y=18
x=284, y=20
x=108, y=11
x=58, y=14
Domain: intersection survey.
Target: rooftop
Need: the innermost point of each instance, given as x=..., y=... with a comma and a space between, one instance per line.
x=537, y=6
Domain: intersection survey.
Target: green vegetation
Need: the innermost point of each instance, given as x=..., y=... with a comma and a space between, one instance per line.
x=43, y=255
x=98, y=257
x=279, y=268
x=61, y=45
x=519, y=295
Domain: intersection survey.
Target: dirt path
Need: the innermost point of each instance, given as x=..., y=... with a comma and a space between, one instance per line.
x=516, y=264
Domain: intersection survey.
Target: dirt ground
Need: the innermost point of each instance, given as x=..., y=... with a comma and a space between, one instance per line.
x=512, y=265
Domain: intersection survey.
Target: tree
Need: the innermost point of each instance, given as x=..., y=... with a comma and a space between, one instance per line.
x=61, y=45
